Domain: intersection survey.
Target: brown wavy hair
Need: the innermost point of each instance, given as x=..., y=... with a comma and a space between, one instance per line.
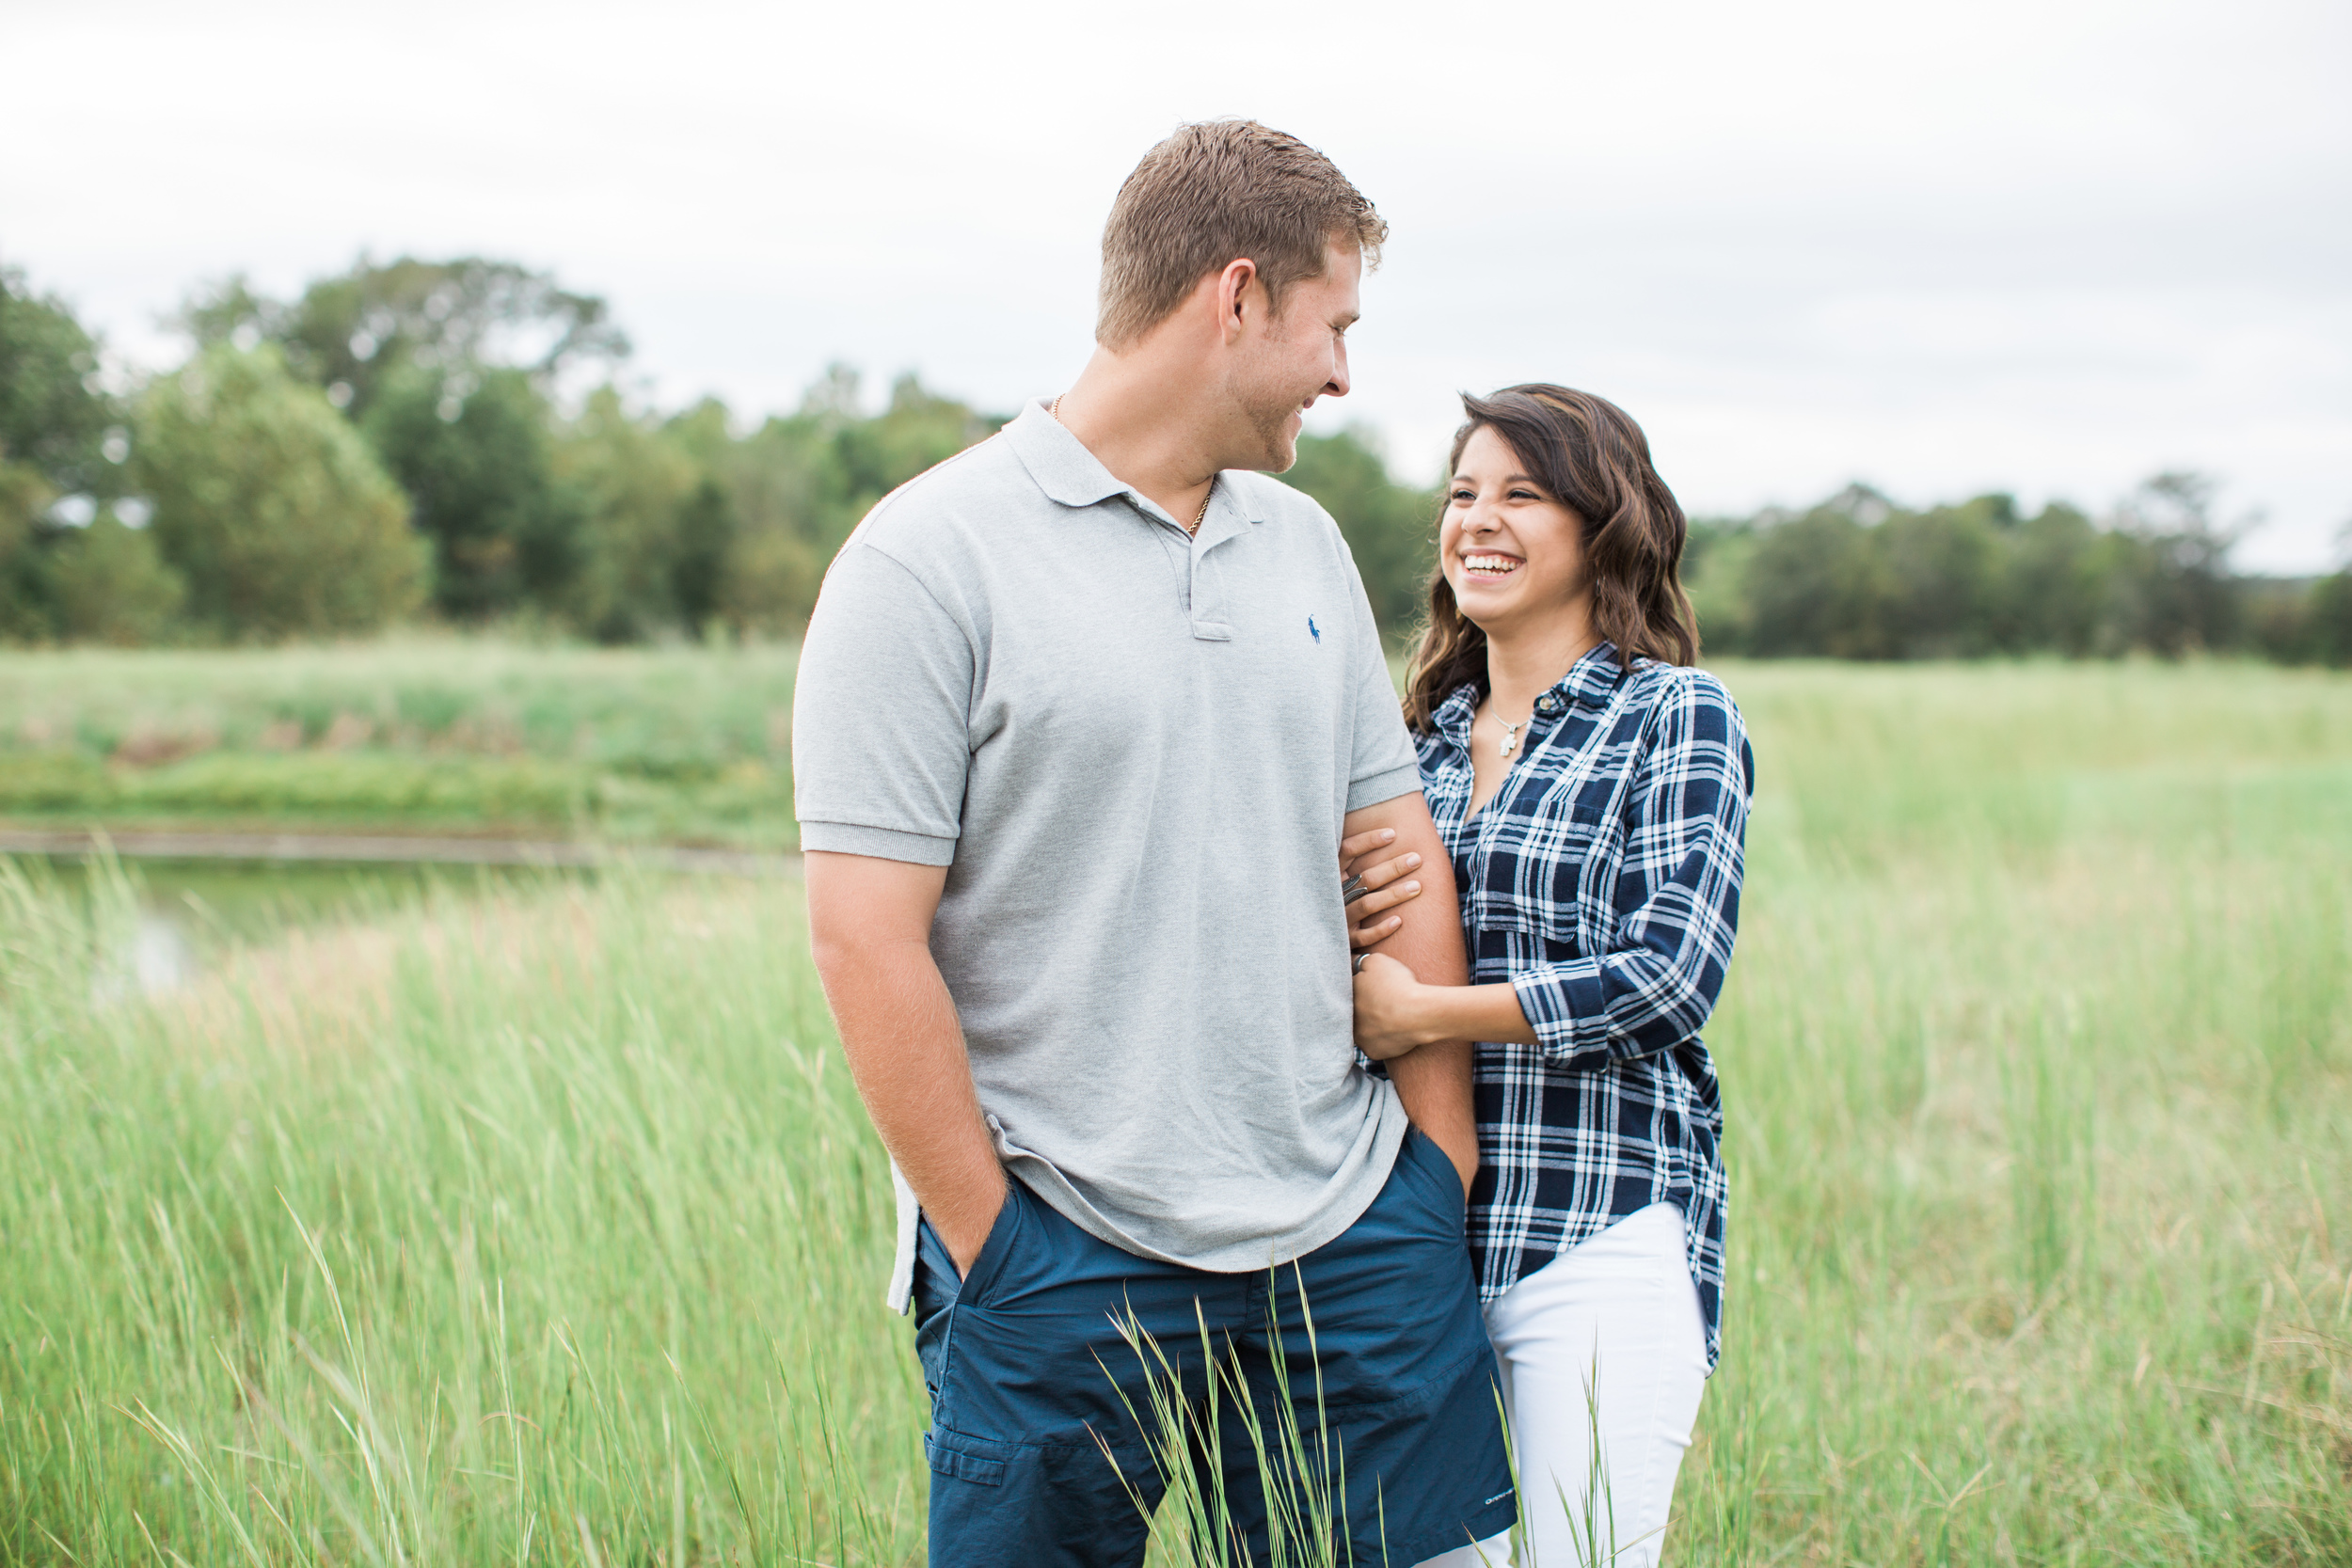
x=1595, y=461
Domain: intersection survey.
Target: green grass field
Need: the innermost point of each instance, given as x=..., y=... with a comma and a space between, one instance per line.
x=539, y=1223
x=679, y=745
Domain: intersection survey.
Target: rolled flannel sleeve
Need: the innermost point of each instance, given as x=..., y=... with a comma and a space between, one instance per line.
x=1677, y=900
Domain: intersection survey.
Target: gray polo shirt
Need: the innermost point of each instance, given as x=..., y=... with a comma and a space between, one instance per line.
x=1132, y=750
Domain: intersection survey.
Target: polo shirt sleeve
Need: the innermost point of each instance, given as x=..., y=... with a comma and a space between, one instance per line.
x=880, y=707
x=1384, y=764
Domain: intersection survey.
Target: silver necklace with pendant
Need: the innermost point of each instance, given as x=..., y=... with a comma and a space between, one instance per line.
x=1511, y=733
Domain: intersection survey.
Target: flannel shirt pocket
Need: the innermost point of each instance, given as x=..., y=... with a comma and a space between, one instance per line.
x=1546, y=873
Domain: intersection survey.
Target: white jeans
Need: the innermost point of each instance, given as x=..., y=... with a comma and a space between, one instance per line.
x=1621, y=1303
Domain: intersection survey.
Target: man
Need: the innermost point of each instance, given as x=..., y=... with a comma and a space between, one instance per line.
x=1082, y=716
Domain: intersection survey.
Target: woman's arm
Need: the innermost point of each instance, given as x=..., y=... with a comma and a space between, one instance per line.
x=1676, y=902
x=1679, y=898
x=1396, y=1013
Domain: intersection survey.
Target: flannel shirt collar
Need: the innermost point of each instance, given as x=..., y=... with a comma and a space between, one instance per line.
x=1453, y=718
x=1590, y=682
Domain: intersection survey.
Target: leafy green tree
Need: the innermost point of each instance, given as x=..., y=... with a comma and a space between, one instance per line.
x=1390, y=529
x=1943, y=568
x=54, y=416
x=633, y=486
x=59, y=438
x=1715, y=564
x=352, y=332
x=479, y=472
x=766, y=576
x=2175, y=592
x=23, y=607
x=752, y=551
x=109, y=583
x=1817, y=585
x=270, y=505
x=867, y=458
x=2330, y=620
x=772, y=582
x=706, y=531
x=771, y=479
x=2052, y=588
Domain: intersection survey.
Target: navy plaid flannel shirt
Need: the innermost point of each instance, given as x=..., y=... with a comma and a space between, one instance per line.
x=1602, y=882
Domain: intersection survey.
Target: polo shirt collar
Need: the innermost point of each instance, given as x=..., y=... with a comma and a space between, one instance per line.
x=1058, y=461
x=1070, y=474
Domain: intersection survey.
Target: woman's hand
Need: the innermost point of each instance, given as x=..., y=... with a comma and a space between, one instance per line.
x=1366, y=920
x=1390, y=1009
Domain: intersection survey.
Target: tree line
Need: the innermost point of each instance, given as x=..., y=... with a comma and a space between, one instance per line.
x=450, y=440
x=393, y=444
x=1858, y=577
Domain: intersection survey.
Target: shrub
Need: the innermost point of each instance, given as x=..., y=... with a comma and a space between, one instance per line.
x=2332, y=620
x=108, y=583
x=270, y=504
x=634, y=486
x=24, y=494
x=479, y=467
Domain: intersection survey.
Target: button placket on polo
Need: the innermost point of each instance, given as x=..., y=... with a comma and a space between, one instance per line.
x=1183, y=572
x=1209, y=623
x=1202, y=613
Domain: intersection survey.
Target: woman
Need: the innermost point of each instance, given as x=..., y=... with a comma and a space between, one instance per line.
x=1593, y=789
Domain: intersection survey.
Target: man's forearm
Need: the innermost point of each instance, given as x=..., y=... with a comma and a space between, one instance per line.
x=900, y=1030
x=1434, y=1082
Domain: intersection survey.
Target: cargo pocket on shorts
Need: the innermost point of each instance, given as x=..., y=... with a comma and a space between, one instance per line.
x=976, y=1460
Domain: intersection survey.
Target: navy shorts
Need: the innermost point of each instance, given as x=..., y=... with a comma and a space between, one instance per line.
x=1030, y=1381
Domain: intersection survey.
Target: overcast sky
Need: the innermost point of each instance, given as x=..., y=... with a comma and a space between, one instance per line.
x=2042, y=245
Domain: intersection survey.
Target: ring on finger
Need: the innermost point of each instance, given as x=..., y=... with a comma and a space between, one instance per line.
x=1351, y=889
x=1357, y=966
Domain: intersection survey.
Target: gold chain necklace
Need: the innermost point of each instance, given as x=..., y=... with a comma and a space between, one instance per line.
x=1202, y=515
x=1053, y=410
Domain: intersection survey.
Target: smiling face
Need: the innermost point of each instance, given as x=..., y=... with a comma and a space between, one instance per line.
x=1512, y=554
x=1291, y=359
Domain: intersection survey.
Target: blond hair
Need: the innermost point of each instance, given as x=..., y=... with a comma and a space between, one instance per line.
x=1214, y=193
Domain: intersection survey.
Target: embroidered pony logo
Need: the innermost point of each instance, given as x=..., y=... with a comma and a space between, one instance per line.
x=1313, y=630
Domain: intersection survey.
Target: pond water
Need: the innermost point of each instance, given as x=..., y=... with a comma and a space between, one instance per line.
x=191, y=913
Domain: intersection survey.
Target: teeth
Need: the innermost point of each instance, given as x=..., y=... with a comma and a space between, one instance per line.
x=1493, y=565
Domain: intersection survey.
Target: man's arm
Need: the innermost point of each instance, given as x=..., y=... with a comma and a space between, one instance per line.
x=1433, y=1080
x=869, y=921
